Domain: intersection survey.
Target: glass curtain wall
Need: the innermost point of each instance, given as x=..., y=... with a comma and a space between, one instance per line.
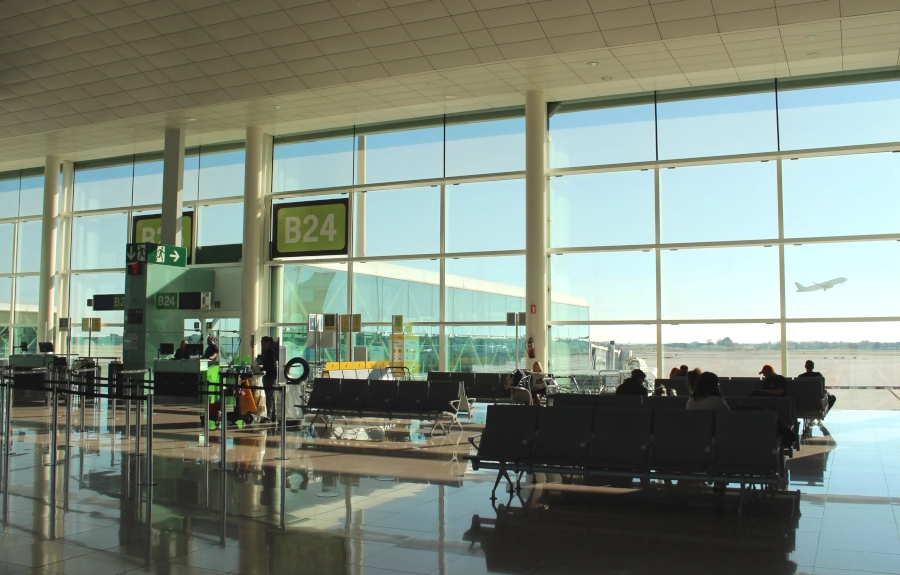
x=437, y=237
x=730, y=227
x=21, y=204
x=108, y=196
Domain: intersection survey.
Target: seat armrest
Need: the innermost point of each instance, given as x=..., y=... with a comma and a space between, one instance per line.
x=472, y=440
x=586, y=443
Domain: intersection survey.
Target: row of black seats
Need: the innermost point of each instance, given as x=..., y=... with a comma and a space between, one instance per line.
x=784, y=406
x=483, y=386
x=723, y=446
x=808, y=393
x=386, y=397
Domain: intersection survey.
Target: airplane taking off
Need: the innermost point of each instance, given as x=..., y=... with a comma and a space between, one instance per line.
x=821, y=286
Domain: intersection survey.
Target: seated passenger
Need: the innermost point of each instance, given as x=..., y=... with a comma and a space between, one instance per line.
x=810, y=367
x=773, y=384
x=538, y=386
x=181, y=352
x=692, y=378
x=683, y=371
x=634, y=385
x=706, y=394
x=676, y=371
x=212, y=350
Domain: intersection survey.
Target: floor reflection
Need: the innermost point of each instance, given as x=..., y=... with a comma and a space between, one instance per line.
x=337, y=506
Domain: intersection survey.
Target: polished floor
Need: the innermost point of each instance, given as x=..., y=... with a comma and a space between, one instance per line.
x=363, y=499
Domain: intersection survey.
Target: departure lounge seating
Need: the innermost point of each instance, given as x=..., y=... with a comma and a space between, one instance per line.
x=389, y=399
x=479, y=386
x=723, y=446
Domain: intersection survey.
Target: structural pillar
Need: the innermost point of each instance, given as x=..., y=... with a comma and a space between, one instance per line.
x=47, y=293
x=173, y=186
x=64, y=248
x=536, y=278
x=253, y=225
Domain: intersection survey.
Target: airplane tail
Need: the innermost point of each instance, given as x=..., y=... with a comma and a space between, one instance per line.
x=799, y=287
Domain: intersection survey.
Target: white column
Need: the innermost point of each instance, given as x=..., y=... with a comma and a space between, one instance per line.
x=64, y=247
x=536, y=223
x=47, y=293
x=359, y=200
x=253, y=225
x=173, y=186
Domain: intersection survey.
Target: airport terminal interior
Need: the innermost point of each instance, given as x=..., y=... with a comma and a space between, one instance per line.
x=363, y=287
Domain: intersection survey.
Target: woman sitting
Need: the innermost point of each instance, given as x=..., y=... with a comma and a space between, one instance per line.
x=706, y=393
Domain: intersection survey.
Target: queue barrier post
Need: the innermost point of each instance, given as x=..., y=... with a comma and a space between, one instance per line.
x=283, y=389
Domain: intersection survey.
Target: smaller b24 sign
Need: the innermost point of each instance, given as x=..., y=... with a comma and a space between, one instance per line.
x=310, y=228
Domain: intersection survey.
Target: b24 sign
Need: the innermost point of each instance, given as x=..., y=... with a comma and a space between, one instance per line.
x=310, y=228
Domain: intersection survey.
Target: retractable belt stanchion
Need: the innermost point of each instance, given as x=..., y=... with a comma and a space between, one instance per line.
x=223, y=425
x=283, y=388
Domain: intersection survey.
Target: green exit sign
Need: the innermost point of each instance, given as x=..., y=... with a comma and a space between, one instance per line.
x=167, y=300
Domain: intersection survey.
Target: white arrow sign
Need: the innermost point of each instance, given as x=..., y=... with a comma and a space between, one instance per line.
x=174, y=256
x=130, y=254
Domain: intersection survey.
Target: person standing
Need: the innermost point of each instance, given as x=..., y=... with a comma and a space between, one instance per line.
x=212, y=350
x=181, y=352
x=269, y=364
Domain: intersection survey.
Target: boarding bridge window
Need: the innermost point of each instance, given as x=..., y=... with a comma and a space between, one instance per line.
x=586, y=352
x=411, y=288
x=484, y=288
x=307, y=289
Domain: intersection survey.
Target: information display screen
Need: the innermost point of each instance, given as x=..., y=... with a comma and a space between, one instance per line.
x=189, y=300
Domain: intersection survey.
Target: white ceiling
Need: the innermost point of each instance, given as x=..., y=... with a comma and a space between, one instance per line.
x=94, y=78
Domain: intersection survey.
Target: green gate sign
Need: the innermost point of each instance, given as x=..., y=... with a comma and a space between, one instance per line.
x=159, y=254
x=167, y=300
x=310, y=228
x=148, y=229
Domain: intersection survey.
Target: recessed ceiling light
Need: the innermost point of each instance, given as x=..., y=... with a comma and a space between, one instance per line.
x=593, y=64
x=429, y=84
x=606, y=78
x=450, y=97
x=812, y=54
x=277, y=107
x=811, y=37
x=190, y=119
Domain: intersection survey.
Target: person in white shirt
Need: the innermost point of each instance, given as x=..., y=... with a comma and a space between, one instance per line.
x=706, y=394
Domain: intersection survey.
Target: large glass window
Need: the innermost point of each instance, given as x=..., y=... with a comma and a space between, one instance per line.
x=603, y=286
x=27, y=299
x=718, y=126
x=414, y=154
x=719, y=203
x=221, y=171
x=407, y=287
x=85, y=286
x=402, y=222
x=6, y=248
x=5, y=301
x=28, y=247
x=191, y=182
x=610, y=209
x=26, y=336
x=839, y=115
x=841, y=279
x=31, y=193
x=841, y=195
x=307, y=289
x=9, y=195
x=860, y=354
x=486, y=216
x=99, y=241
x=102, y=185
x=720, y=283
x=220, y=233
x=583, y=350
x=314, y=164
x=617, y=134
x=487, y=147
x=484, y=348
x=484, y=289
x=728, y=350
x=148, y=180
